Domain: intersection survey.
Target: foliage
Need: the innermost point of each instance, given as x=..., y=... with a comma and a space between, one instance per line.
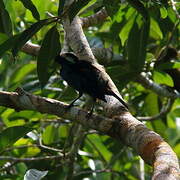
x=137, y=29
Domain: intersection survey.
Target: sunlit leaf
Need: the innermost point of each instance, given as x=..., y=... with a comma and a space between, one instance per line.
x=163, y=12
x=140, y=8
x=155, y=30
x=49, y=134
x=29, y=5
x=163, y=78
x=126, y=29
x=10, y=135
x=112, y=7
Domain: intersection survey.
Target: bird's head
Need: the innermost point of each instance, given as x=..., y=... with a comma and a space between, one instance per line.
x=66, y=58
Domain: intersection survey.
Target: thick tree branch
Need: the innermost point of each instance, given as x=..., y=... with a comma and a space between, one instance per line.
x=95, y=19
x=124, y=127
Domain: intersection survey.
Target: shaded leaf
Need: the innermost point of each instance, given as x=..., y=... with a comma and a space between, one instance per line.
x=8, y=44
x=5, y=20
x=61, y=7
x=136, y=46
x=29, y=5
x=49, y=49
x=76, y=7
x=10, y=135
x=27, y=34
x=112, y=7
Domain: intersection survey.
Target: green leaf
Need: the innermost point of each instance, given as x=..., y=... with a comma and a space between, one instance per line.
x=29, y=5
x=49, y=134
x=61, y=7
x=22, y=72
x=27, y=34
x=10, y=135
x=98, y=143
x=136, y=46
x=112, y=7
x=5, y=20
x=155, y=30
x=49, y=49
x=163, y=12
x=76, y=7
x=8, y=44
x=163, y=78
x=140, y=8
x=3, y=37
x=126, y=29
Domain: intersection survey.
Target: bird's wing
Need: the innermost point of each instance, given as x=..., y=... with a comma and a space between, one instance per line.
x=91, y=79
x=90, y=72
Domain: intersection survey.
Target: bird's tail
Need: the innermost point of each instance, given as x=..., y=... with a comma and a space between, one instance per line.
x=120, y=100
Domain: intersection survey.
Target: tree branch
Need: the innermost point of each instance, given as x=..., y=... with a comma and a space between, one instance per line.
x=124, y=127
x=149, y=84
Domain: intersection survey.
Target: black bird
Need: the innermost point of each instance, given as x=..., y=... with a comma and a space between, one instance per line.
x=85, y=77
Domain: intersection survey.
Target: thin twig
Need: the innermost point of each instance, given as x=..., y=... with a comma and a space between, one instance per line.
x=49, y=148
x=10, y=158
x=163, y=112
x=19, y=147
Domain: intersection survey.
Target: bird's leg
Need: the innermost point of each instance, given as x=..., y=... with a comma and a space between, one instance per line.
x=72, y=103
x=92, y=108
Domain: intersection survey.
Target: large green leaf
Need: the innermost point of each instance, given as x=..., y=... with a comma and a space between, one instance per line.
x=5, y=21
x=136, y=46
x=163, y=78
x=49, y=49
x=10, y=135
x=29, y=5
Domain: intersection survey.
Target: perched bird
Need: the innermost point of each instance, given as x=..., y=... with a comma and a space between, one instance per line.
x=85, y=77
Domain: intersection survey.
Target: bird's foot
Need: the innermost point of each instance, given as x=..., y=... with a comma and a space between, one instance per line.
x=89, y=114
